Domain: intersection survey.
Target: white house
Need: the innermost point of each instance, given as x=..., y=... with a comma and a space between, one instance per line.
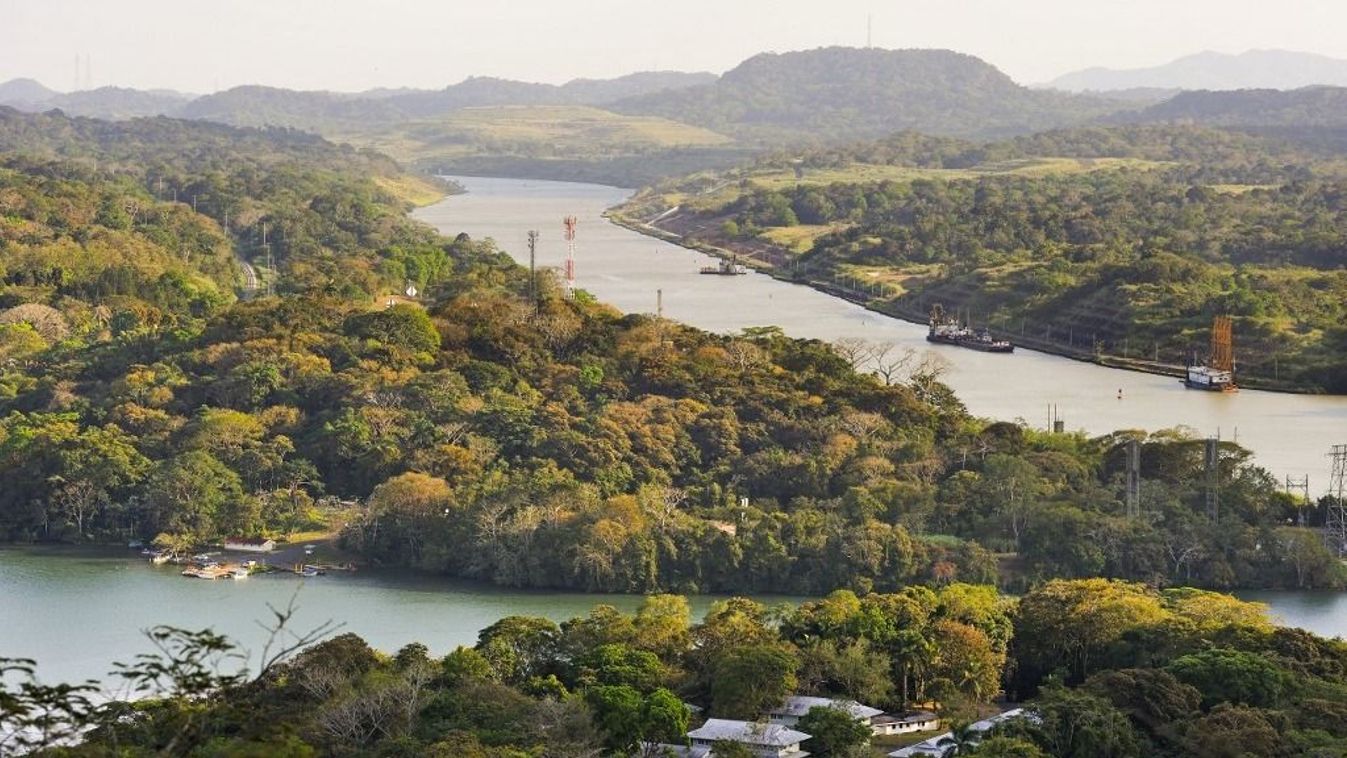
x=937, y=745
x=905, y=723
x=250, y=544
x=764, y=740
x=790, y=712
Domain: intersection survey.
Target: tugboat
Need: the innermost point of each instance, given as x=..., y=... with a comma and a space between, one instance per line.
x=724, y=267
x=948, y=330
x=1218, y=373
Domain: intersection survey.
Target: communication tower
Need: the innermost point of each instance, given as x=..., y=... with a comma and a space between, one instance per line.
x=1335, y=518
x=568, y=224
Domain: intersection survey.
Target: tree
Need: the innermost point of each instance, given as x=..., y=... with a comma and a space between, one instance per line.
x=519, y=647
x=965, y=658
x=1076, y=724
x=1005, y=747
x=195, y=494
x=618, y=712
x=750, y=679
x=833, y=732
x=1223, y=675
x=664, y=717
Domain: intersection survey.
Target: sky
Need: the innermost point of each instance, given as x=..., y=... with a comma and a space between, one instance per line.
x=199, y=46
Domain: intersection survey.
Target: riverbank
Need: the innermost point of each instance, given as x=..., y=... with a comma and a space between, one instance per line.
x=772, y=261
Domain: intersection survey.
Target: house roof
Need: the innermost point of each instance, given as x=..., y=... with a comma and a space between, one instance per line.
x=677, y=751
x=913, y=717
x=748, y=732
x=799, y=705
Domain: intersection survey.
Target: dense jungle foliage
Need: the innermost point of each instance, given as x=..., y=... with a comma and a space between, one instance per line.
x=556, y=442
x=1135, y=256
x=1107, y=670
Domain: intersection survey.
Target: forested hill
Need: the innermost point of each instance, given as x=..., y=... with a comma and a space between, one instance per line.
x=548, y=443
x=1308, y=107
x=835, y=93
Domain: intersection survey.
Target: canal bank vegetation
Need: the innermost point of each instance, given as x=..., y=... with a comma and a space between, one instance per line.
x=1118, y=243
x=548, y=442
x=1104, y=669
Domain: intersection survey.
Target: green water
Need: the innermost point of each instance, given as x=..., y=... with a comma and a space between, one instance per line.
x=76, y=611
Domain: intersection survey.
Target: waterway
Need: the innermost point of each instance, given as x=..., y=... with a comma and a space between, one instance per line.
x=1290, y=435
x=77, y=611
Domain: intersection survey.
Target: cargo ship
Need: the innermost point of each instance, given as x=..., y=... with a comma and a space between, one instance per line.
x=1218, y=373
x=724, y=267
x=947, y=330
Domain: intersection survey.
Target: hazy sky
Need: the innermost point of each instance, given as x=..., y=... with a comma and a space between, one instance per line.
x=201, y=46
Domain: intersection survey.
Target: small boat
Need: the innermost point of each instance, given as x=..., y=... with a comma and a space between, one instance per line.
x=160, y=559
x=309, y=571
x=724, y=267
x=239, y=573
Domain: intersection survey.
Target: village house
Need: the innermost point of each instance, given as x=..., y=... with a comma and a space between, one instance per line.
x=765, y=740
x=790, y=712
x=937, y=745
x=906, y=723
x=250, y=544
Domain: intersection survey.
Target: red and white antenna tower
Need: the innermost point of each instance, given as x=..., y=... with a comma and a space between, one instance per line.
x=568, y=224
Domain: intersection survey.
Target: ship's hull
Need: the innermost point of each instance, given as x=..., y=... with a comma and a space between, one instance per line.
x=972, y=344
x=723, y=273
x=1192, y=385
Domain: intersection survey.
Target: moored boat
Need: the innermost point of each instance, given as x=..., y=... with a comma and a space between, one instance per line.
x=723, y=267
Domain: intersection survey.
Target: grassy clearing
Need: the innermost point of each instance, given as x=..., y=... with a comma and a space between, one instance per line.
x=539, y=131
x=799, y=239
x=411, y=189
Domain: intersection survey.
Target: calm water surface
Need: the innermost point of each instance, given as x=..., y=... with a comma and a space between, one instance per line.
x=1289, y=434
x=78, y=611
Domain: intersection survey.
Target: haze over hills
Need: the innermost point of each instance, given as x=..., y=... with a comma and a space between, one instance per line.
x=1306, y=109
x=841, y=92
x=1254, y=69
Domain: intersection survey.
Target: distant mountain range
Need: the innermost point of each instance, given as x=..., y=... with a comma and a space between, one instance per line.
x=1255, y=69
x=826, y=95
x=319, y=110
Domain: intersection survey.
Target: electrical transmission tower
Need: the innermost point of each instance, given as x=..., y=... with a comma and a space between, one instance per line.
x=1301, y=488
x=1335, y=520
x=1133, y=478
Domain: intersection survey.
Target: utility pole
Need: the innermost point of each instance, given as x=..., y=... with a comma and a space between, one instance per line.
x=266, y=250
x=1133, y=478
x=1212, y=462
x=533, y=271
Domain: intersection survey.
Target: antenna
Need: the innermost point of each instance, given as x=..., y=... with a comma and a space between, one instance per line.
x=568, y=224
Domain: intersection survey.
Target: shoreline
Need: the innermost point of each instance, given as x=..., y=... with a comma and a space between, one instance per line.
x=898, y=312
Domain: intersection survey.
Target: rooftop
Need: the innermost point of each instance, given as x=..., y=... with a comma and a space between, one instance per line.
x=799, y=705
x=748, y=732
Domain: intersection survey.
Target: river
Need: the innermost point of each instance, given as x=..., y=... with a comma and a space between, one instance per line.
x=76, y=611
x=1290, y=435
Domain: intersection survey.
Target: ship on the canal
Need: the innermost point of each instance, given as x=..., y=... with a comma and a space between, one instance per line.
x=1218, y=373
x=948, y=330
x=723, y=267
